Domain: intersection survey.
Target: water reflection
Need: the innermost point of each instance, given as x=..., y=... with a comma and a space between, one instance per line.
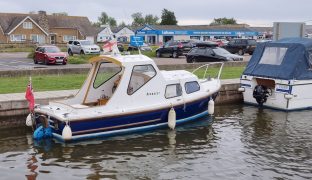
x=243, y=142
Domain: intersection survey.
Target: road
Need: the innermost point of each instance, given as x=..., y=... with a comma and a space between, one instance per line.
x=19, y=61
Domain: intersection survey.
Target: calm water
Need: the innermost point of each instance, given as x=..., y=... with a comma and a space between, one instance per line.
x=243, y=142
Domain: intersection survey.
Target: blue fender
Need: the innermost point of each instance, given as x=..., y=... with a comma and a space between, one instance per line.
x=42, y=133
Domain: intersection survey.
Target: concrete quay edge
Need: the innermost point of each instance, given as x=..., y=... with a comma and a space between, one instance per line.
x=85, y=68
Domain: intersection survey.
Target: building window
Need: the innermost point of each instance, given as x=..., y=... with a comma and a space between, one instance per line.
x=191, y=87
x=27, y=25
x=67, y=38
x=195, y=37
x=173, y=90
x=17, y=37
x=37, y=38
x=140, y=76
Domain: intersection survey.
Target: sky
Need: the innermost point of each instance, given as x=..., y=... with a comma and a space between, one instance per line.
x=187, y=12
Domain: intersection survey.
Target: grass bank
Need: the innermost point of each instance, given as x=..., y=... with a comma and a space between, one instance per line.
x=74, y=81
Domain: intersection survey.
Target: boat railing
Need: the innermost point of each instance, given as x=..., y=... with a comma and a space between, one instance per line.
x=206, y=66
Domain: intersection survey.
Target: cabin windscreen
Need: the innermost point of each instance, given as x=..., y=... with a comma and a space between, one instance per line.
x=105, y=72
x=141, y=74
x=273, y=55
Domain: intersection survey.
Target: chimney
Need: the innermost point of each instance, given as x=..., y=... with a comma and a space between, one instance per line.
x=43, y=20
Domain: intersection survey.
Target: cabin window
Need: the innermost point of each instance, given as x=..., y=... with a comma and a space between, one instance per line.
x=141, y=74
x=105, y=73
x=173, y=90
x=273, y=55
x=191, y=87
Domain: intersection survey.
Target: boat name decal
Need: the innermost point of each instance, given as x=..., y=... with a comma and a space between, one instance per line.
x=152, y=93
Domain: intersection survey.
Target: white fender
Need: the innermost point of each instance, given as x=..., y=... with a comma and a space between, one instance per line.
x=288, y=96
x=67, y=133
x=29, y=122
x=211, y=107
x=241, y=89
x=172, y=118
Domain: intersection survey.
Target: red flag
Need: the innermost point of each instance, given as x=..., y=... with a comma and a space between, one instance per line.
x=30, y=97
x=109, y=45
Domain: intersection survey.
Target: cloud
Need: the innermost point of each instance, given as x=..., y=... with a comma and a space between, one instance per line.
x=253, y=12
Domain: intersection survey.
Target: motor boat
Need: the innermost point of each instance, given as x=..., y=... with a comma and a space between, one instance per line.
x=124, y=94
x=279, y=75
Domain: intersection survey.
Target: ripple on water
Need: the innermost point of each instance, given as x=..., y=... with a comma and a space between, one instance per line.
x=243, y=142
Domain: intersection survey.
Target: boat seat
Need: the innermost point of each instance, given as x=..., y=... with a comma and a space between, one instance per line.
x=102, y=101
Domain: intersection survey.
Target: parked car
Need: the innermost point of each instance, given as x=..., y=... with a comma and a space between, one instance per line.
x=120, y=47
x=144, y=47
x=220, y=42
x=49, y=55
x=241, y=46
x=211, y=54
x=82, y=47
x=174, y=49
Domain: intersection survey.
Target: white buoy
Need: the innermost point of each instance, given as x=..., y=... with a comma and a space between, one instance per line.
x=211, y=107
x=29, y=122
x=288, y=96
x=172, y=118
x=67, y=132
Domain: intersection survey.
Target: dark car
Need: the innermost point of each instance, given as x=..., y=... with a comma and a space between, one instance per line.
x=174, y=49
x=49, y=55
x=120, y=47
x=241, y=46
x=144, y=47
x=211, y=54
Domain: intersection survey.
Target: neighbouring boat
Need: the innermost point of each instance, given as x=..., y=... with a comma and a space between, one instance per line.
x=279, y=75
x=125, y=94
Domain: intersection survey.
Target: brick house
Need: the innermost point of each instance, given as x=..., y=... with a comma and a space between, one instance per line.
x=44, y=29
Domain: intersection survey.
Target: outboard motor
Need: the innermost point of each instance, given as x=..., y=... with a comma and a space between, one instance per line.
x=261, y=94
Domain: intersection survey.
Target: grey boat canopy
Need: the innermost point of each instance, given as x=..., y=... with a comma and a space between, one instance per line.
x=287, y=59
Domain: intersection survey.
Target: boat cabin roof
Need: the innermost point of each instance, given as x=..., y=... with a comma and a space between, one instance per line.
x=173, y=76
x=287, y=59
x=122, y=60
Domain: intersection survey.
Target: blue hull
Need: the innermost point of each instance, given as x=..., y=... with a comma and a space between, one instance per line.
x=143, y=121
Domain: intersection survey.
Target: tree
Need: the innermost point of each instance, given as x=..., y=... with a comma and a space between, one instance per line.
x=105, y=19
x=223, y=21
x=112, y=21
x=138, y=19
x=122, y=24
x=150, y=19
x=168, y=18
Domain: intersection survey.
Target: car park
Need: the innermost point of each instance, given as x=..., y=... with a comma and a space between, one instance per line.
x=49, y=55
x=174, y=49
x=211, y=54
x=241, y=46
x=144, y=47
x=82, y=47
